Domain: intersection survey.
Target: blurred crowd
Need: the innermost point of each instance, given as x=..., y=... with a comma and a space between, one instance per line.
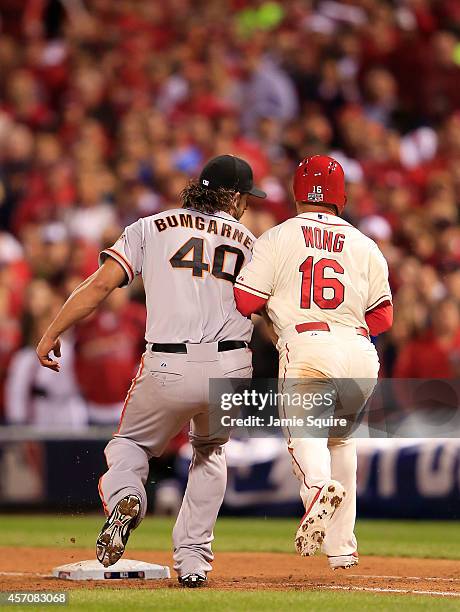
x=108, y=108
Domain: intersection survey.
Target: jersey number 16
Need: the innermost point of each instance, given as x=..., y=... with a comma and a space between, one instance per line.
x=313, y=276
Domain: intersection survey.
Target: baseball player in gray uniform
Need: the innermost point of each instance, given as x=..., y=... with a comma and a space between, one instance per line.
x=189, y=259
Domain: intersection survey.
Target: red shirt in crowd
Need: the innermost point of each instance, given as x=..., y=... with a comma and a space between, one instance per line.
x=107, y=352
x=426, y=357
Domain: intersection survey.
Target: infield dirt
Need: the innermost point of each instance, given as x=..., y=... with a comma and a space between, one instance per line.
x=29, y=569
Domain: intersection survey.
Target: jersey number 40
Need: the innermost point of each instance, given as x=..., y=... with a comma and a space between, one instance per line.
x=197, y=264
x=313, y=277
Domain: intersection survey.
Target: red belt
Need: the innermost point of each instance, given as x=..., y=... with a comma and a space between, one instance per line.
x=321, y=326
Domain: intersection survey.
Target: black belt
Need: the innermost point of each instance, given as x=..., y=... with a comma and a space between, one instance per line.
x=223, y=345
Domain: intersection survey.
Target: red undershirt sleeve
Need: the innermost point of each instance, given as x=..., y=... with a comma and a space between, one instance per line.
x=248, y=303
x=254, y=284
x=380, y=318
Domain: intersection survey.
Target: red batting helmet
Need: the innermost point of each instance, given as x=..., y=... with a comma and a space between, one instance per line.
x=320, y=180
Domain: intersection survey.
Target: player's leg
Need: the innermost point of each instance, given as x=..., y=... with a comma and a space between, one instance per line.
x=123, y=496
x=308, y=447
x=302, y=376
x=321, y=495
x=121, y=488
x=311, y=463
x=156, y=409
x=301, y=379
x=340, y=541
x=207, y=480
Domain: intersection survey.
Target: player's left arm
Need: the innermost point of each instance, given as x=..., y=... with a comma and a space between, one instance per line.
x=255, y=283
x=379, y=309
x=82, y=302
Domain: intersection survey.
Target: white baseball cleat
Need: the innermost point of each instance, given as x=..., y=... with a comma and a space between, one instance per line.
x=343, y=561
x=312, y=528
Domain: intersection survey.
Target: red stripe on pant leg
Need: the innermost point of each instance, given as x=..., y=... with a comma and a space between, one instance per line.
x=310, y=506
x=291, y=451
x=101, y=495
x=282, y=390
x=131, y=389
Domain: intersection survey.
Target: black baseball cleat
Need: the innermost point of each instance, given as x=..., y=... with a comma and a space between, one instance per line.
x=192, y=581
x=113, y=538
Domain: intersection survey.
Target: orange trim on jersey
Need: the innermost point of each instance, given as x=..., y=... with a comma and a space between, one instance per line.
x=131, y=389
x=101, y=495
x=125, y=261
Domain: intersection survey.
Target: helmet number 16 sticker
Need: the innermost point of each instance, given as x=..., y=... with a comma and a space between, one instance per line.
x=316, y=195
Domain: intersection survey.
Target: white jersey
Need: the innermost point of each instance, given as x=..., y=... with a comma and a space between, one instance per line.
x=189, y=261
x=316, y=268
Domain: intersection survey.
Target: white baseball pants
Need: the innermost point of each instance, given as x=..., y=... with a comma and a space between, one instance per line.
x=334, y=358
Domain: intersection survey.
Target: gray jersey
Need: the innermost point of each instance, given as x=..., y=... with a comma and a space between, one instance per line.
x=189, y=261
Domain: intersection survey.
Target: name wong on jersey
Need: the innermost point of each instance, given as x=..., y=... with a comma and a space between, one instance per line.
x=323, y=239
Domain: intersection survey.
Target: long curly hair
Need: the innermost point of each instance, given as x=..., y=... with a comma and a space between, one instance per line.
x=207, y=200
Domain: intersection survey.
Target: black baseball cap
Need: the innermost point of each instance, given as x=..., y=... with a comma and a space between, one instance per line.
x=232, y=173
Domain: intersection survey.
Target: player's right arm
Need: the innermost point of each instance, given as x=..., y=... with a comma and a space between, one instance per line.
x=81, y=303
x=119, y=265
x=256, y=280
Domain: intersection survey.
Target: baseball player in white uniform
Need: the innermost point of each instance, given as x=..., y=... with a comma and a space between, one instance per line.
x=189, y=259
x=325, y=288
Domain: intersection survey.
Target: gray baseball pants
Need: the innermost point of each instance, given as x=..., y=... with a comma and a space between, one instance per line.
x=169, y=391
